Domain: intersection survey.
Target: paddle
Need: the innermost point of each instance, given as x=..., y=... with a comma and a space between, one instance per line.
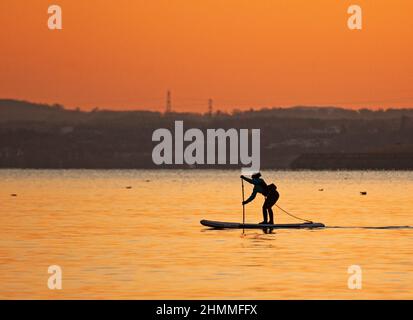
x=243, y=206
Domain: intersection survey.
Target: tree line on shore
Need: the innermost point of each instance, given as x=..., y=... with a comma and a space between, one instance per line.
x=50, y=136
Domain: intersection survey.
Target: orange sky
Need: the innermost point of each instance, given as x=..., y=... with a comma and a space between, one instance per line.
x=262, y=53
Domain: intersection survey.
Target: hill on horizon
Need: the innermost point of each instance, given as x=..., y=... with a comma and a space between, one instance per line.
x=20, y=110
x=50, y=136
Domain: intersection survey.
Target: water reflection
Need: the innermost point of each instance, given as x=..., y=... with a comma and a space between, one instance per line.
x=146, y=241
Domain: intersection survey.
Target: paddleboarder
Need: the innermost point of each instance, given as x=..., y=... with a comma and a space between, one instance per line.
x=268, y=191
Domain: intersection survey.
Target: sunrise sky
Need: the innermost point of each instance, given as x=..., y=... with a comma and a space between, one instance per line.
x=123, y=54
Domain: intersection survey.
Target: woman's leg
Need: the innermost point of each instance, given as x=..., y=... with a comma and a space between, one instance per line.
x=271, y=214
x=269, y=203
x=264, y=213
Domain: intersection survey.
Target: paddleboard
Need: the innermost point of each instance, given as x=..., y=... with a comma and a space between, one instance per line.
x=237, y=225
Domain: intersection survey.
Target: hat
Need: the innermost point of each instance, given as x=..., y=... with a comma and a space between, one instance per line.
x=256, y=175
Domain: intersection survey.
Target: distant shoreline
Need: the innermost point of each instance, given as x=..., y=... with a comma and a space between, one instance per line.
x=37, y=136
x=206, y=169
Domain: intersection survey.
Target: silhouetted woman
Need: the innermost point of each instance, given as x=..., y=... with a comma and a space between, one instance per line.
x=268, y=191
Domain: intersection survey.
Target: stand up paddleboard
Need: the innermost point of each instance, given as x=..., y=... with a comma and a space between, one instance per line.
x=236, y=225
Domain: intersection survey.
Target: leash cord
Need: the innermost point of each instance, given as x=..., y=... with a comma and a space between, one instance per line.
x=291, y=215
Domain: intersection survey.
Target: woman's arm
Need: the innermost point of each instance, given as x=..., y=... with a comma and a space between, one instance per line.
x=247, y=179
x=252, y=197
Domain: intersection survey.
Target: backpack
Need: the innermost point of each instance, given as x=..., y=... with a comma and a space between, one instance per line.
x=272, y=188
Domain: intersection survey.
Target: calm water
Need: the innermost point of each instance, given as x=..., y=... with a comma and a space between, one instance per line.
x=146, y=242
